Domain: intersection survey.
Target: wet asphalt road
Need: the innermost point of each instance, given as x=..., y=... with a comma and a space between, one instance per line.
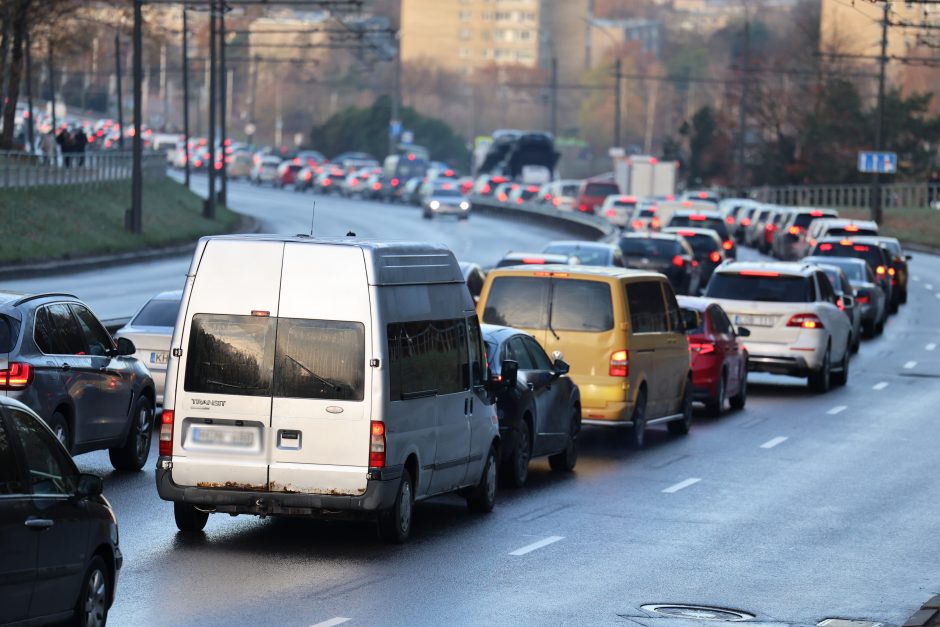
x=839, y=519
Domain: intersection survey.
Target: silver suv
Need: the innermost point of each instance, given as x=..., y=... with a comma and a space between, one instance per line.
x=57, y=358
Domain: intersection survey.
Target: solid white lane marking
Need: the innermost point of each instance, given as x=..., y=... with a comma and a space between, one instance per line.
x=838, y=409
x=339, y=620
x=774, y=442
x=910, y=365
x=880, y=386
x=930, y=346
x=681, y=485
x=537, y=545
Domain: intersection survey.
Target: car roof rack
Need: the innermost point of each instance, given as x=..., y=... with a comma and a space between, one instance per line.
x=26, y=299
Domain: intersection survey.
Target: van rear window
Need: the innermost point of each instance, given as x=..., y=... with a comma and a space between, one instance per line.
x=576, y=305
x=231, y=355
x=518, y=302
x=601, y=189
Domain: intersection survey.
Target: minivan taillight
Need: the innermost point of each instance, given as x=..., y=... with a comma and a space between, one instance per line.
x=17, y=376
x=166, y=433
x=620, y=364
x=377, y=445
x=806, y=321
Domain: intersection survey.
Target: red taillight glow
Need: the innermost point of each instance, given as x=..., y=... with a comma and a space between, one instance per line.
x=486, y=189
x=880, y=270
x=729, y=220
x=327, y=182
x=851, y=228
x=377, y=445
x=727, y=244
x=697, y=218
x=687, y=233
x=678, y=261
x=166, y=433
x=532, y=188
x=620, y=364
x=746, y=222
x=534, y=260
x=715, y=256
x=793, y=230
x=840, y=304
x=892, y=271
x=502, y=197
x=637, y=224
x=17, y=376
x=764, y=273
x=816, y=213
x=395, y=182
x=308, y=176
x=448, y=172
x=805, y=321
x=611, y=213
x=702, y=348
x=519, y=201
x=376, y=186
x=583, y=207
x=825, y=247
x=862, y=299
x=703, y=195
x=655, y=223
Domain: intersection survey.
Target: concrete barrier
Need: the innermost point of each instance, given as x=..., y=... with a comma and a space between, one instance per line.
x=582, y=225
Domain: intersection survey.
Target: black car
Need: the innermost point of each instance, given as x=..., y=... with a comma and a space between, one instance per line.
x=877, y=257
x=669, y=254
x=588, y=253
x=62, y=363
x=897, y=266
x=58, y=534
x=706, y=220
x=706, y=246
x=539, y=407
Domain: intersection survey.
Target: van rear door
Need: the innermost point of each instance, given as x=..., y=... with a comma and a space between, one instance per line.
x=320, y=415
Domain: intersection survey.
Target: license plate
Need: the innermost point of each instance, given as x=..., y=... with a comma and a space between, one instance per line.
x=159, y=357
x=219, y=436
x=755, y=321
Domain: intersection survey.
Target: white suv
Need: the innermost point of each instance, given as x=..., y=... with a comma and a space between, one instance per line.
x=793, y=315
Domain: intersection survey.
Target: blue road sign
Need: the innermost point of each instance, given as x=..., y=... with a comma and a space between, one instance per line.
x=881, y=162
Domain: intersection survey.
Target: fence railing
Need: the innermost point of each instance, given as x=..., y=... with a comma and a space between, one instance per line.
x=849, y=196
x=20, y=169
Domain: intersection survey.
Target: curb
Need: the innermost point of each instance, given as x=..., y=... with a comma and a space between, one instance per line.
x=927, y=616
x=246, y=224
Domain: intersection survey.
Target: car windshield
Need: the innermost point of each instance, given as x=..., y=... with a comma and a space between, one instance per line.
x=701, y=244
x=759, y=286
x=157, y=313
x=441, y=192
x=587, y=256
x=649, y=247
x=852, y=269
x=701, y=222
x=871, y=254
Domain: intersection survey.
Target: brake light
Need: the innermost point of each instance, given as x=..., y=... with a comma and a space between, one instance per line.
x=825, y=247
x=806, y=321
x=446, y=186
x=327, y=182
x=377, y=445
x=687, y=233
x=611, y=213
x=697, y=218
x=840, y=305
x=556, y=202
x=637, y=224
x=354, y=181
x=880, y=270
x=793, y=230
x=395, y=182
x=715, y=256
x=678, y=261
x=503, y=197
x=376, y=186
x=851, y=228
x=620, y=364
x=702, y=348
x=308, y=176
x=17, y=376
x=534, y=260
x=771, y=227
x=655, y=223
x=816, y=213
x=583, y=207
x=519, y=200
x=845, y=242
x=448, y=172
x=862, y=299
x=765, y=273
x=727, y=244
x=746, y=222
x=532, y=188
x=166, y=433
x=729, y=220
x=486, y=189
x=702, y=195
x=892, y=271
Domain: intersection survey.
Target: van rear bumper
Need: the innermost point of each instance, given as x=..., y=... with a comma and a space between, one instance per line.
x=380, y=494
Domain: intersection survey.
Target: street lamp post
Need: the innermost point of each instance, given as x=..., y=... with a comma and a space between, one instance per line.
x=135, y=223
x=186, y=95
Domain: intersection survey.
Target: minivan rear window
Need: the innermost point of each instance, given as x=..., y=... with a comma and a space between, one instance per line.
x=523, y=302
x=157, y=313
x=520, y=302
x=231, y=355
x=715, y=224
x=581, y=306
x=649, y=247
x=771, y=289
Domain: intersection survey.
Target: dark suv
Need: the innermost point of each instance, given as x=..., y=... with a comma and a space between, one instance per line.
x=58, y=359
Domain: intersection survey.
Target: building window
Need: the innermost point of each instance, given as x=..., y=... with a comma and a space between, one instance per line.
x=525, y=35
x=465, y=34
x=464, y=53
x=466, y=16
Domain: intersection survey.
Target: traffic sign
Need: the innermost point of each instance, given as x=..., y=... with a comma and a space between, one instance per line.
x=881, y=162
x=394, y=128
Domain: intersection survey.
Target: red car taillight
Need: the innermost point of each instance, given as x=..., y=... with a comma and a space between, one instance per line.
x=863, y=299
x=620, y=364
x=702, y=348
x=715, y=256
x=611, y=213
x=166, y=433
x=806, y=321
x=583, y=207
x=377, y=445
x=727, y=244
x=678, y=261
x=17, y=376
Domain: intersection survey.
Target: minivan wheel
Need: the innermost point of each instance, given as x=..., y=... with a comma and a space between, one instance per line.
x=92, y=607
x=60, y=427
x=395, y=523
x=565, y=461
x=715, y=406
x=188, y=518
x=516, y=468
x=819, y=381
x=682, y=426
x=482, y=498
x=133, y=454
x=637, y=432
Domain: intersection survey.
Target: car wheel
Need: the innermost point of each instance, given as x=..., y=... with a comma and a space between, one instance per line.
x=740, y=399
x=427, y=216
x=92, y=607
x=842, y=377
x=637, y=432
x=565, y=461
x=682, y=426
x=463, y=217
x=819, y=380
x=516, y=468
x=60, y=427
x=880, y=326
x=395, y=523
x=716, y=405
x=856, y=342
x=133, y=454
x=868, y=329
x=904, y=296
x=482, y=498
x=188, y=518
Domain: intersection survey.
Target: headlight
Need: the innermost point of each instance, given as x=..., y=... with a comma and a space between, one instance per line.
x=465, y=206
x=435, y=204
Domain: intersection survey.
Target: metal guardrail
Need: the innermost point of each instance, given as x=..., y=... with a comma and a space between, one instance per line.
x=848, y=196
x=24, y=170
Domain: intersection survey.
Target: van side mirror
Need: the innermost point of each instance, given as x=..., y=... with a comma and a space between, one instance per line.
x=89, y=485
x=559, y=368
x=510, y=373
x=743, y=332
x=125, y=347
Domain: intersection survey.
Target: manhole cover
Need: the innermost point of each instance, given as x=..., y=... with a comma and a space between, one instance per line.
x=697, y=612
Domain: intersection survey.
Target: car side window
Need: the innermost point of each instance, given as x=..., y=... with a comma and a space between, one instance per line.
x=672, y=309
x=516, y=351
x=539, y=358
x=45, y=334
x=98, y=340
x=71, y=337
x=477, y=354
x=11, y=482
x=720, y=322
x=50, y=472
x=647, y=309
x=826, y=293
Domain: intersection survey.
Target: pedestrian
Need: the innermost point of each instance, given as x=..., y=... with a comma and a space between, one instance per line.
x=81, y=142
x=63, y=140
x=48, y=146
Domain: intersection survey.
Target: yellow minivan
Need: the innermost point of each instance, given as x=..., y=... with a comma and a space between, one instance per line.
x=620, y=331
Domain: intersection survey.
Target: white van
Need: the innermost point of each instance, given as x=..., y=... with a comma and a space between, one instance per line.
x=325, y=377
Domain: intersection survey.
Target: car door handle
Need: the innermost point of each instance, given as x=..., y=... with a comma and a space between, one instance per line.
x=66, y=367
x=530, y=385
x=39, y=524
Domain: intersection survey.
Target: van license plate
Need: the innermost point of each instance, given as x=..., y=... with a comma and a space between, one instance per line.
x=755, y=321
x=241, y=438
x=159, y=357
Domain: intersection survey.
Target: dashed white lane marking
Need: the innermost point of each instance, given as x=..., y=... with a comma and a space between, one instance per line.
x=880, y=386
x=339, y=620
x=916, y=278
x=838, y=409
x=910, y=365
x=681, y=485
x=930, y=347
x=929, y=286
x=537, y=545
x=774, y=442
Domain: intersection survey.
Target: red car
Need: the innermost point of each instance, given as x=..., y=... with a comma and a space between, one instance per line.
x=592, y=193
x=719, y=358
x=287, y=173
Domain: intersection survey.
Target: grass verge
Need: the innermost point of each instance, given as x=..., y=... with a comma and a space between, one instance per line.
x=915, y=225
x=69, y=221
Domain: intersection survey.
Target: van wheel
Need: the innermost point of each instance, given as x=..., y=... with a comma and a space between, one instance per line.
x=819, y=381
x=740, y=399
x=715, y=406
x=92, y=607
x=637, y=432
x=566, y=460
x=188, y=518
x=395, y=523
x=136, y=449
x=516, y=468
x=482, y=498
x=682, y=426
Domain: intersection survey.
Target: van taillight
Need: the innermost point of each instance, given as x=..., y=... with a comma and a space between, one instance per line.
x=620, y=364
x=806, y=321
x=16, y=377
x=377, y=445
x=166, y=433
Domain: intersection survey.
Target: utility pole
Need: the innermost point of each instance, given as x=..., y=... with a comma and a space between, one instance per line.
x=120, y=100
x=395, y=122
x=51, y=83
x=164, y=96
x=618, y=74
x=739, y=170
x=554, y=120
x=137, y=190
x=876, y=204
x=254, y=96
x=186, y=94
x=209, y=207
x=223, y=194
x=29, y=91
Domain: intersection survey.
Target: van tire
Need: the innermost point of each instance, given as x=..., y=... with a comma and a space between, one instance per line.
x=682, y=426
x=565, y=460
x=188, y=518
x=482, y=498
x=136, y=449
x=516, y=467
x=637, y=432
x=395, y=522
